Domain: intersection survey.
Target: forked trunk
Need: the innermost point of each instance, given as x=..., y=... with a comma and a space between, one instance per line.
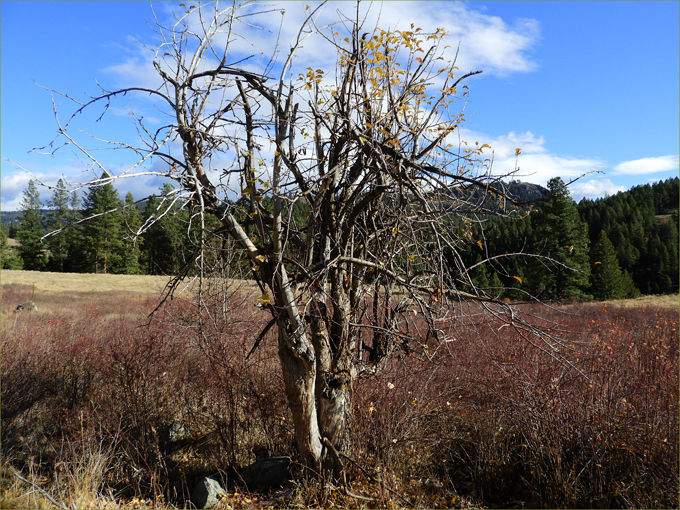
x=319, y=396
x=300, y=379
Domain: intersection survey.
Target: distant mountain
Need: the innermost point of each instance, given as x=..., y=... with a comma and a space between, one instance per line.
x=526, y=193
x=10, y=217
x=14, y=217
x=485, y=201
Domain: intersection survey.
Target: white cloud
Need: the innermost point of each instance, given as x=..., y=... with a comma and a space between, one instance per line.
x=541, y=168
x=645, y=166
x=136, y=70
x=594, y=189
x=536, y=163
x=486, y=42
x=11, y=203
x=14, y=183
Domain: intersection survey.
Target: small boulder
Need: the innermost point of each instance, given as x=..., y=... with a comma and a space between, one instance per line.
x=28, y=305
x=178, y=432
x=207, y=493
x=266, y=473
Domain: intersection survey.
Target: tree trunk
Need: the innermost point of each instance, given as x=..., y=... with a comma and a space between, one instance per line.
x=300, y=379
x=333, y=392
x=319, y=394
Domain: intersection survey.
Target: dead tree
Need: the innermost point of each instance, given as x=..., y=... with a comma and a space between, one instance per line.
x=347, y=189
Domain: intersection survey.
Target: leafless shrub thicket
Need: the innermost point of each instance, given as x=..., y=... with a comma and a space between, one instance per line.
x=89, y=400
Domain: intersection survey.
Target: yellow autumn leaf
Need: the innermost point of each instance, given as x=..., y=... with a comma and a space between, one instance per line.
x=264, y=299
x=395, y=230
x=479, y=243
x=518, y=151
x=518, y=279
x=598, y=262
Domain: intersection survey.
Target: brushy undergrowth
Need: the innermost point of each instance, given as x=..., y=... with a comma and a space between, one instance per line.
x=102, y=409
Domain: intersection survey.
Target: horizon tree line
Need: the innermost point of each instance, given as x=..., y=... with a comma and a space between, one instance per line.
x=614, y=247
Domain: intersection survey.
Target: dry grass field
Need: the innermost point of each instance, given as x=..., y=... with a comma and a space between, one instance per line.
x=91, y=388
x=134, y=285
x=154, y=286
x=666, y=301
x=79, y=282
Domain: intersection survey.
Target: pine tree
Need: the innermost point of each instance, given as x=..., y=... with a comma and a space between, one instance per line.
x=75, y=234
x=607, y=280
x=629, y=288
x=30, y=230
x=160, y=248
x=61, y=215
x=165, y=239
x=9, y=256
x=102, y=242
x=130, y=254
x=561, y=235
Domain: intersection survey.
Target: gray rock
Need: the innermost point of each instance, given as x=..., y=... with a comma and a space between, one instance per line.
x=207, y=493
x=28, y=305
x=178, y=432
x=266, y=473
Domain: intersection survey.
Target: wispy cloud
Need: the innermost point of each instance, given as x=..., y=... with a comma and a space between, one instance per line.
x=486, y=42
x=645, y=166
x=137, y=70
x=13, y=185
x=15, y=181
x=536, y=163
x=594, y=188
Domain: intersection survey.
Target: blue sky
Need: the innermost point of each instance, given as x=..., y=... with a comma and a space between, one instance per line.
x=579, y=86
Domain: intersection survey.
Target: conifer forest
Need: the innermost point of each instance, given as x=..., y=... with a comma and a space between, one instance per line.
x=614, y=247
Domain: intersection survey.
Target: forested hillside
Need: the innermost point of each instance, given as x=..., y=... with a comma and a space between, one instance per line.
x=613, y=247
x=618, y=246
x=642, y=225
